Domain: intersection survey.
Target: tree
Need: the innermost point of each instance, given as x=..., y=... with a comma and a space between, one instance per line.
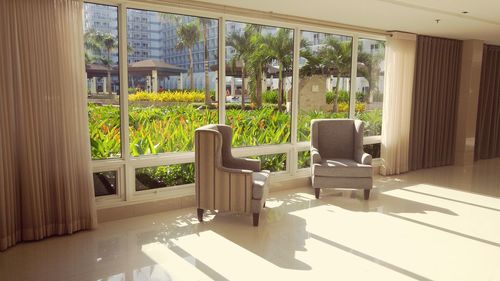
x=199, y=22
x=188, y=35
x=242, y=45
x=369, y=68
x=336, y=56
x=258, y=59
x=99, y=43
x=280, y=46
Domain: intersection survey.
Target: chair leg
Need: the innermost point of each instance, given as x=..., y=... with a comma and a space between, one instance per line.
x=316, y=192
x=264, y=205
x=367, y=194
x=200, y=214
x=256, y=219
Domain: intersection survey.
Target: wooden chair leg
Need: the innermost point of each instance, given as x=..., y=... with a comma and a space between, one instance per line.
x=256, y=219
x=264, y=205
x=316, y=192
x=200, y=214
x=367, y=194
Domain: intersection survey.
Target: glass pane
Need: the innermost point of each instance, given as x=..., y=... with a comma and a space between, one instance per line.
x=258, y=83
x=163, y=176
x=105, y=183
x=103, y=83
x=304, y=160
x=172, y=79
x=272, y=162
x=325, y=79
x=370, y=84
x=373, y=149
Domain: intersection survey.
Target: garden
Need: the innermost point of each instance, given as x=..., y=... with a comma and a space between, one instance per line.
x=165, y=122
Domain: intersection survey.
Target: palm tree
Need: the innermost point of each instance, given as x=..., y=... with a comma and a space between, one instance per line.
x=241, y=43
x=188, y=35
x=281, y=49
x=369, y=68
x=91, y=45
x=99, y=42
x=336, y=56
x=110, y=43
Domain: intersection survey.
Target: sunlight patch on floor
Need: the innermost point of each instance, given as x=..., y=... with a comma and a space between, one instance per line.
x=415, y=250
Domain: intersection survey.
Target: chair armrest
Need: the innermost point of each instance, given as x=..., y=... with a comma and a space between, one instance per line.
x=246, y=164
x=236, y=171
x=315, y=156
x=363, y=158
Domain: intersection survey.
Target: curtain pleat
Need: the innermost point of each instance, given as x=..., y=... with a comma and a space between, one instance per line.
x=45, y=170
x=488, y=115
x=435, y=97
x=400, y=71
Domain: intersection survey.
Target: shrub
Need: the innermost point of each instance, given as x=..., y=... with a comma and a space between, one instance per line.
x=361, y=97
x=162, y=176
x=343, y=107
x=373, y=121
x=171, y=129
x=168, y=96
x=270, y=97
x=343, y=97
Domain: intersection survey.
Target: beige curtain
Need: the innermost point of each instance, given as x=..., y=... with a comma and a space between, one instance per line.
x=45, y=177
x=488, y=115
x=434, y=104
x=400, y=66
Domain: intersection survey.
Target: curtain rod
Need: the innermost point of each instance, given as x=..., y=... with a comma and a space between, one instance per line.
x=232, y=10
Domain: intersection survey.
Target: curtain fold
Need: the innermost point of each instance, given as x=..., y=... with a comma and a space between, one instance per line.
x=487, y=143
x=45, y=175
x=398, y=90
x=434, y=104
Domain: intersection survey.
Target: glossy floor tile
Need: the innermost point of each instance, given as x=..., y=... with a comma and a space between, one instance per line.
x=435, y=224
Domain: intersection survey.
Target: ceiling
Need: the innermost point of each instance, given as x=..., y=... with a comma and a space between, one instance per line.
x=482, y=21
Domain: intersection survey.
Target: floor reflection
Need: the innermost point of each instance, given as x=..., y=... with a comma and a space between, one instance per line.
x=436, y=224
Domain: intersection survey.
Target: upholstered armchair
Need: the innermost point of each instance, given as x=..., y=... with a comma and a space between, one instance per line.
x=223, y=182
x=337, y=156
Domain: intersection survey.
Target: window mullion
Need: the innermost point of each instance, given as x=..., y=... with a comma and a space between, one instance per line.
x=292, y=156
x=222, y=70
x=122, y=62
x=354, y=74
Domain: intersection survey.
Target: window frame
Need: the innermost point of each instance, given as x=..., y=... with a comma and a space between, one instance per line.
x=127, y=164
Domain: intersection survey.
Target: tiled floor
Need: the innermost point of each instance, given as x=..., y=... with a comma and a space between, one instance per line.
x=436, y=224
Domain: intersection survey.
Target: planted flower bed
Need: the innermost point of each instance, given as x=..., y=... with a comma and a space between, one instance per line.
x=160, y=129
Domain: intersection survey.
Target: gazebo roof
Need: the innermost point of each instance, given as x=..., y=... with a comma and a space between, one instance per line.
x=99, y=70
x=143, y=67
x=163, y=68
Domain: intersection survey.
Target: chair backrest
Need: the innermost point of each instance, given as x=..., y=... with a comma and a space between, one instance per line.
x=336, y=138
x=212, y=146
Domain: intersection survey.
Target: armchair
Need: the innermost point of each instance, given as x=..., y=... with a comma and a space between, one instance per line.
x=337, y=156
x=223, y=182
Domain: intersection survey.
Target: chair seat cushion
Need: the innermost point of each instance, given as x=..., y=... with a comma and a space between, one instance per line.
x=338, y=167
x=259, y=183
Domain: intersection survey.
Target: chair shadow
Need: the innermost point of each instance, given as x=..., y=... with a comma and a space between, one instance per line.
x=281, y=234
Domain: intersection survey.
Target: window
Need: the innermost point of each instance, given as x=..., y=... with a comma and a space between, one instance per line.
x=105, y=183
x=164, y=176
x=101, y=63
x=173, y=88
x=370, y=85
x=168, y=102
x=325, y=79
x=259, y=83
